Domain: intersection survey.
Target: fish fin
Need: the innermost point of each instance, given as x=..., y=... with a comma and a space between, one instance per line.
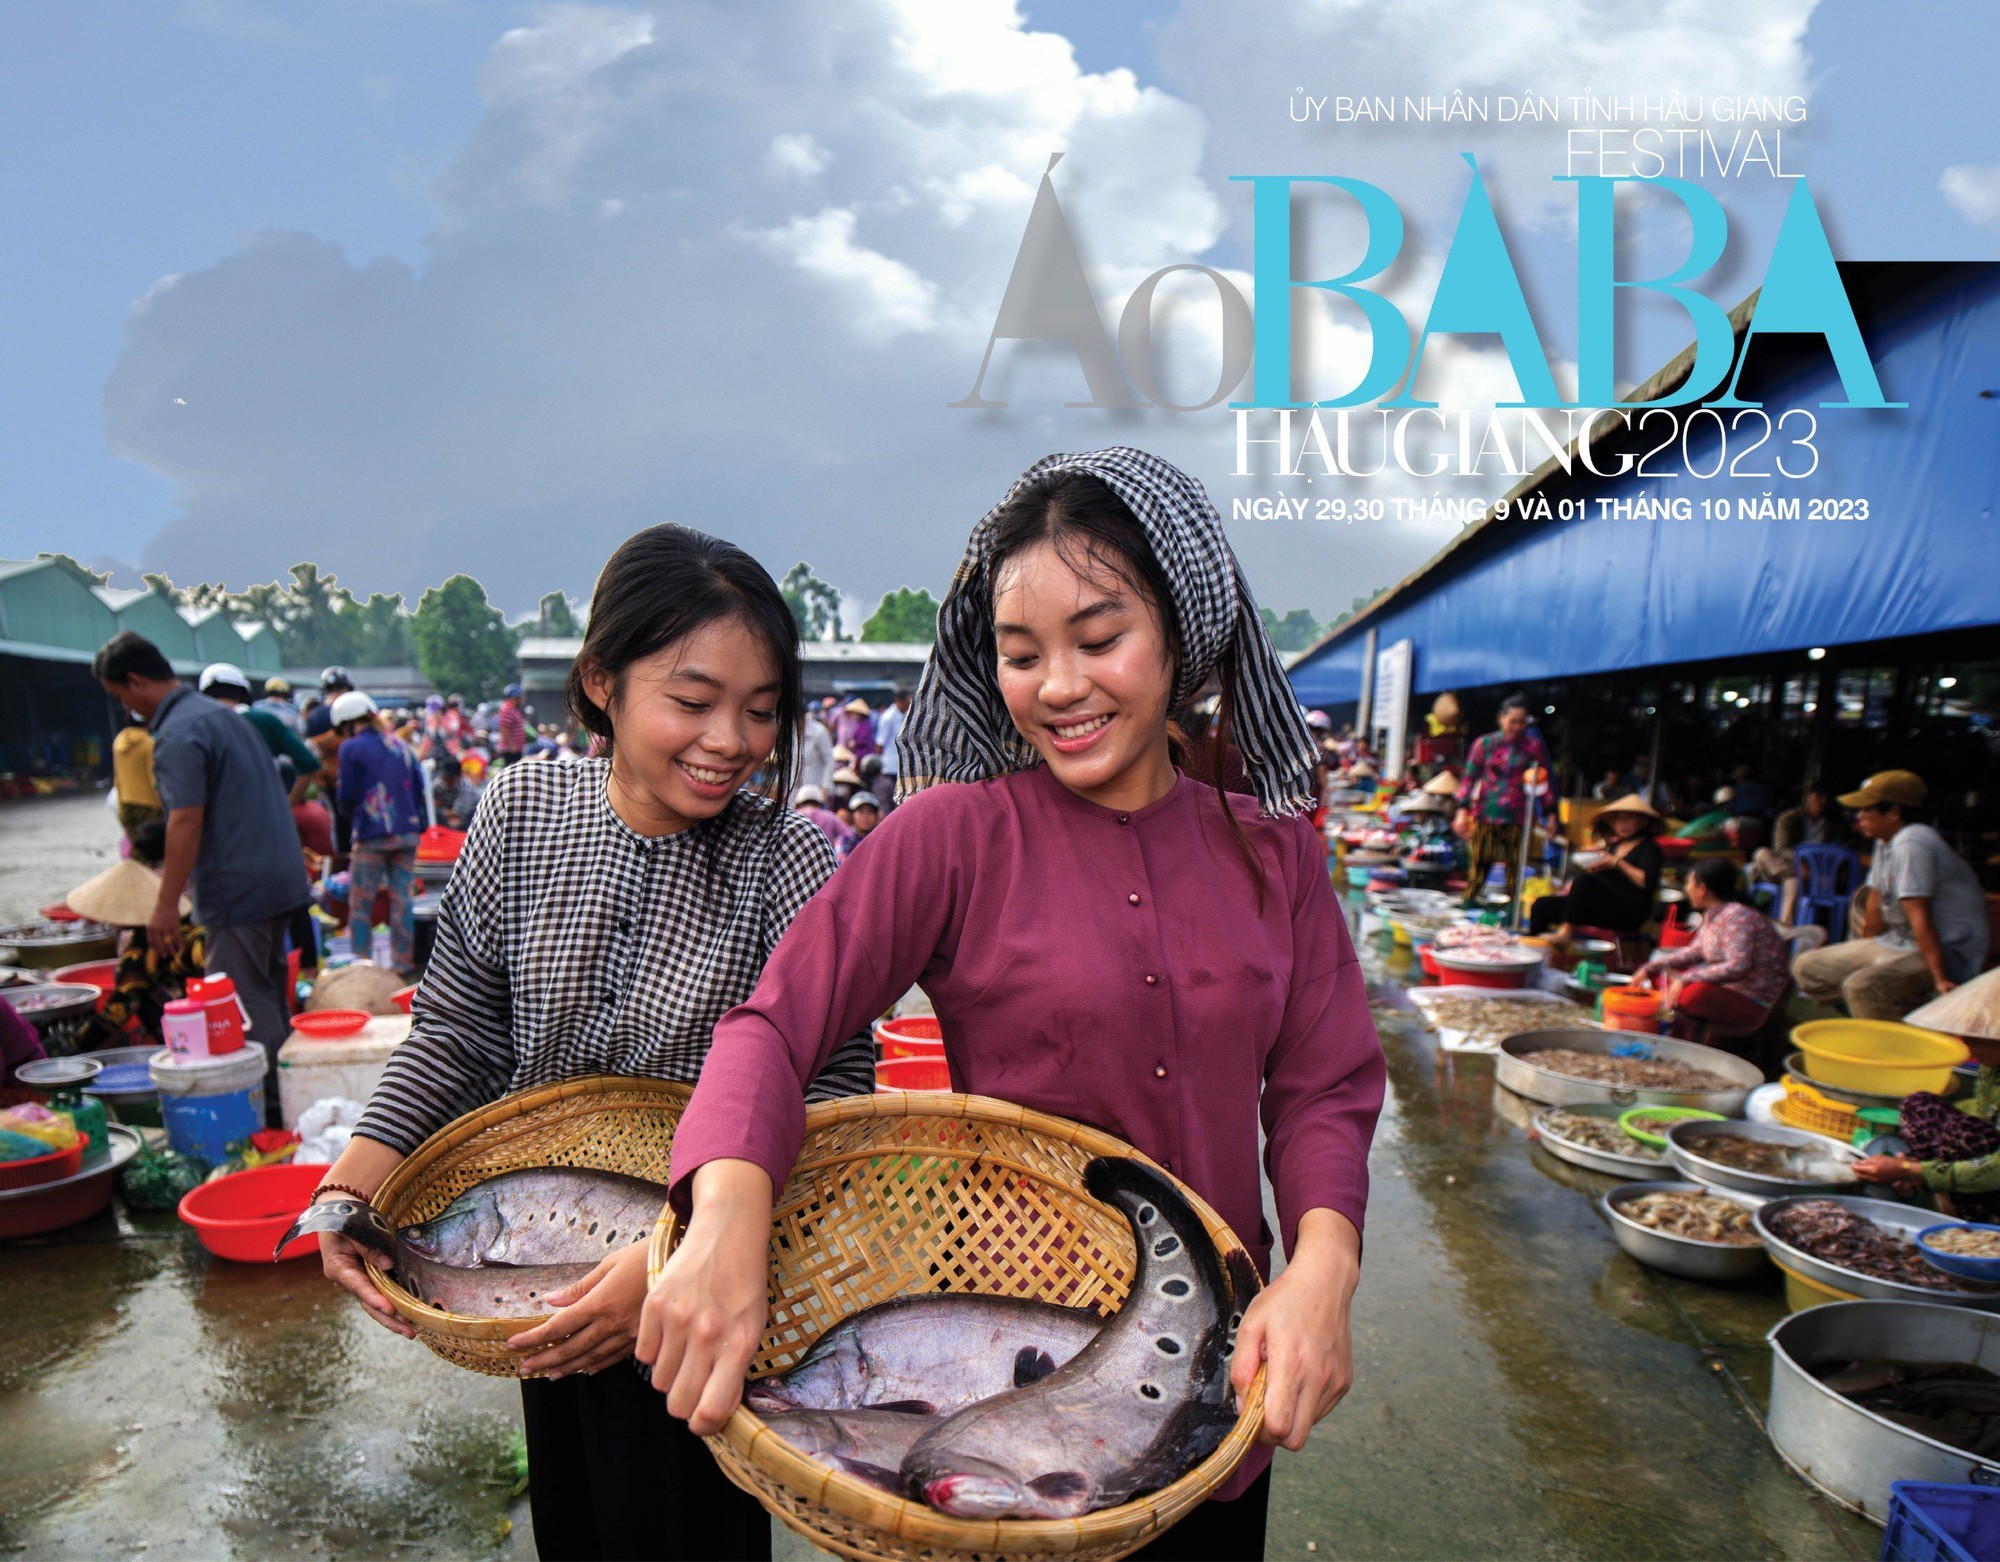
x=874, y=1474
x=1032, y=1365
x=1059, y=1485
x=908, y=1407
x=349, y=1218
x=1244, y=1281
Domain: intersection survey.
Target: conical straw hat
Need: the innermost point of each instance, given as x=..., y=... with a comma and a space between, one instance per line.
x=1970, y=1009
x=1443, y=784
x=123, y=896
x=1632, y=803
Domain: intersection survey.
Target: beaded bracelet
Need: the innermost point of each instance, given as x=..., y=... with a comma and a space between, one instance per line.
x=340, y=1187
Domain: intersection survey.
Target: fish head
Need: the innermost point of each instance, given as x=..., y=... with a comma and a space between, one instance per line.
x=768, y=1398
x=981, y=1489
x=468, y=1231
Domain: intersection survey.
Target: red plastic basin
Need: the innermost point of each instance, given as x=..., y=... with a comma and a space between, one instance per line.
x=37, y=1169
x=101, y=974
x=910, y=1036
x=912, y=1074
x=330, y=1024
x=241, y=1217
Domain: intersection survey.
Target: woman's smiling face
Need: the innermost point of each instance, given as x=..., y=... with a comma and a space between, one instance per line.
x=1086, y=674
x=691, y=723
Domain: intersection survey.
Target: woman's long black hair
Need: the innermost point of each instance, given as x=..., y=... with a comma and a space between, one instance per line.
x=663, y=584
x=1091, y=529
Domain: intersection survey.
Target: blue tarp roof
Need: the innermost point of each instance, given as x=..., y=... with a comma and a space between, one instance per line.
x=1548, y=599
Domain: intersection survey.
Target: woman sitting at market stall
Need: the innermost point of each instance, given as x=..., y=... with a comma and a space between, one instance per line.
x=1954, y=1145
x=1735, y=969
x=1616, y=891
x=602, y=916
x=1103, y=938
x=145, y=983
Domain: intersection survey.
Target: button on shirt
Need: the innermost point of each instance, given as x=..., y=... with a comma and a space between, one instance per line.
x=206, y=756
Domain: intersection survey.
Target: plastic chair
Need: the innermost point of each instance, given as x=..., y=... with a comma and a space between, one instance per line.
x=1828, y=878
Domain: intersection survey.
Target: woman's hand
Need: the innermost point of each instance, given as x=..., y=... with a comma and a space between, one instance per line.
x=596, y=1324
x=1888, y=1168
x=702, y=1321
x=1297, y=1329
x=342, y=1259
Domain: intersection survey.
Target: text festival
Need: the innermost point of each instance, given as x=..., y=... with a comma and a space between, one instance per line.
x=1048, y=299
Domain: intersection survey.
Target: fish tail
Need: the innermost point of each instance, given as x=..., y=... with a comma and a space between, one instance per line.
x=1244, y=1281
x=1131, y=1186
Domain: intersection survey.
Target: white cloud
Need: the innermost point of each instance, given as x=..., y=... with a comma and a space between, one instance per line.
x=797, y=153
x=1974, y=192
x=884, y=297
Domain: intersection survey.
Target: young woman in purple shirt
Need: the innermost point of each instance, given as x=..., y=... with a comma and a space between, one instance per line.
x=1103, y=938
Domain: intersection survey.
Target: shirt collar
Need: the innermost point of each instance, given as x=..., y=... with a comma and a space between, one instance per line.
x=1183, y=787
x=181, y=692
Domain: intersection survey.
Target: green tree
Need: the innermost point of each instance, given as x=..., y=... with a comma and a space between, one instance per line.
x=904, y=615
x=815, y=605
x=556, y=618
x=319, y=626
x=462, y=641
x=381, y=631
x=1294, y=632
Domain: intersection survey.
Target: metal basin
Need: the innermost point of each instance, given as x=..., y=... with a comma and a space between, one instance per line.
x=1623, y=1167
x=1515, y=1068
x=1684, y=1145
x=1853, y=1454
x=1897, y=1219
x=1688, y=1257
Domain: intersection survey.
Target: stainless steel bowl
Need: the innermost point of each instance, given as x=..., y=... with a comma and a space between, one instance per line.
x=1620, y=1166
x=1684, y=1146
x=1899, y=1220
x=1687, y=1257
x=1850, y=1453
x=1515, y=1068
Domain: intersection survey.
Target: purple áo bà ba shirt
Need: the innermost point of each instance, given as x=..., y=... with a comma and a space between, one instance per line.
x=1120, y=969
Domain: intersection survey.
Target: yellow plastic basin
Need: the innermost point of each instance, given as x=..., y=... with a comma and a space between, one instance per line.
x=1881, y=1057
x=1801, y=1293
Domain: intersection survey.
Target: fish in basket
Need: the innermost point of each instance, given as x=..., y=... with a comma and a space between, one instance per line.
x=923, y=1393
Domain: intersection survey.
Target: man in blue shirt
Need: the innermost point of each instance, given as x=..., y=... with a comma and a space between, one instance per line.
x=230, y=835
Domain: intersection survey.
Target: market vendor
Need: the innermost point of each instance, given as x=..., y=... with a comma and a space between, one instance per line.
x=1616, y=891
x=602, y=915
x=1493, y=804
x=1954, y=1145
x=148, y=978
x=1102, y=936
x=1736, y=967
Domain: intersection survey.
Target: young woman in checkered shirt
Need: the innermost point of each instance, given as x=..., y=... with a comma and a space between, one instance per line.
x=602, y=917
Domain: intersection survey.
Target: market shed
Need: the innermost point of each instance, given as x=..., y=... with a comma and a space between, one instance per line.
x=259, y=656
x=149, y=614
x=1879, y=564
x=54, y=719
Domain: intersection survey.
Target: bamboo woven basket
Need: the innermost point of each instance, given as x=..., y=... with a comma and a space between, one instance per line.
x=900, y=1194
x=602, y=1123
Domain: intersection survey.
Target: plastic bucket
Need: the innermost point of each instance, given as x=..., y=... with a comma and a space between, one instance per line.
x=910, y=1036
x=1625, y=1009
x=913, y=1074
x=209, y=1104
x=217, y=995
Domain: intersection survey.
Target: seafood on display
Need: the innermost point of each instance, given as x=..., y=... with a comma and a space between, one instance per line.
x=1836, y=1235
x=1633, y=1073
x=1966, y=1241
x=1761, y=1157
x=1955, y=1403
x=1488, y=953
x=1597, y=1133
x=1462, y=936
x=500, y=1248
x=929, y=1354
x=1702, y=1217
x=988, y=1408
x=1485, y=1019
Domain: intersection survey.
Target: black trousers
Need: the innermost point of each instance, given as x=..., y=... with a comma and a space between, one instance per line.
x=1592, y=902
x=1230, y=1531
x=612, y=1475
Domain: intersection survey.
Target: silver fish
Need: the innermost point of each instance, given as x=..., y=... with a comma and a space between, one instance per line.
x=868, y=1444
x=500, y=1248
x=1137, y=1407
x=928, y=1355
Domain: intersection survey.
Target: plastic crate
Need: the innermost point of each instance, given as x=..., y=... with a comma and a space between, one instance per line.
x=1933, y=1523
x=1801, y=1106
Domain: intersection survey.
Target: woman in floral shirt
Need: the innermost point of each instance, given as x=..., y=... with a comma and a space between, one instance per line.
x=1737, y=966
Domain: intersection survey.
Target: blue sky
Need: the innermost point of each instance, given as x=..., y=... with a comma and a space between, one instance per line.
x=152, y=140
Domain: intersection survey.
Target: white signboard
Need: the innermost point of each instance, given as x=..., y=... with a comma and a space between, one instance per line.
x=1389, y=718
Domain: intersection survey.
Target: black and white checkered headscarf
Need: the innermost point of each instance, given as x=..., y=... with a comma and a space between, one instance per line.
x=958, y=728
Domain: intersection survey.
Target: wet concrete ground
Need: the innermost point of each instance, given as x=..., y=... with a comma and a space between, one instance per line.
x=1522, y=1389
